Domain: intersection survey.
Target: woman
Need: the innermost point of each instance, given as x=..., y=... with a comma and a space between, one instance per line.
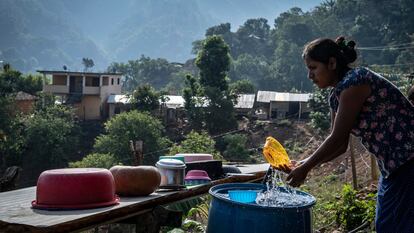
x=370, y=107
x=410, y=95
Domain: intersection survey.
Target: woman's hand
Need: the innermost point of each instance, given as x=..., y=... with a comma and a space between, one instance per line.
x=288, y=168
x=298, y=175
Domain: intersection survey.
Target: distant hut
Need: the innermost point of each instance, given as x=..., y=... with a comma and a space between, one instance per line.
x=281, y=105
x=118, y=104
x=24, y=102
x=245, y=104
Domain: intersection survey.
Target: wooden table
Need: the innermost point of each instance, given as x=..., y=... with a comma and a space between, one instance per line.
x=16, y=214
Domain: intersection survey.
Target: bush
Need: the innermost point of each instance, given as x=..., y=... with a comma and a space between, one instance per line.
x=354, y=211
x=132, y=126
x=95, y=160
x=284, y=122
x=196, y=143
x=293, y=147
x=51, y=138
x=236, y=147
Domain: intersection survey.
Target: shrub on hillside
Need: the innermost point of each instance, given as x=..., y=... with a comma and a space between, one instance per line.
x=236, y=147
x=353, y=211
x=196, y=143
x=95, y=160
x=132, y=126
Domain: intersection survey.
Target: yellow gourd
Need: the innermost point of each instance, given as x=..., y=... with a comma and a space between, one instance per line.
x=275, y=154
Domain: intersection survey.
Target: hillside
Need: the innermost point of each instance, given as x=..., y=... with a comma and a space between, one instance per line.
x=37, y=35
x=46, y=34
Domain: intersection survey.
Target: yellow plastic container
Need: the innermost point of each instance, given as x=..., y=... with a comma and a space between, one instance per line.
x=275, y=154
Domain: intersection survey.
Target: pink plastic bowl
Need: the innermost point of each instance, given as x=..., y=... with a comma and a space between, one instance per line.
x=197, y=175
x=75, y=188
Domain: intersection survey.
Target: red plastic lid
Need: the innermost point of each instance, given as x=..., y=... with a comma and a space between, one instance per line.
x=115, y=201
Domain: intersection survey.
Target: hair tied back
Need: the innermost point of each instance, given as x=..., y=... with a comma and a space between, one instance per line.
x=351, y=44
x=343, y=44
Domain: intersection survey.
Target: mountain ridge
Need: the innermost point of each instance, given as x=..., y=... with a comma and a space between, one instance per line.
x=47, y=34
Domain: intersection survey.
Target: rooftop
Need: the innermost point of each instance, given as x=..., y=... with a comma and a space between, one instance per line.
x=75, y=72
x=267, y=96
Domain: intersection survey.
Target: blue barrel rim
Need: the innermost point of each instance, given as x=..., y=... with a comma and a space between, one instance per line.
x=229, y=186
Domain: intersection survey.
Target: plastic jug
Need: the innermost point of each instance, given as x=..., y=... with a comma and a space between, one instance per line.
x=275, y=154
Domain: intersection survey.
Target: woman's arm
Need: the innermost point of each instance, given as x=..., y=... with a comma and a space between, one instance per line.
x=350, y=103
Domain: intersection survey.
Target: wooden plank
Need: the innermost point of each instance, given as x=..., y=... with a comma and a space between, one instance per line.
x=253, y=168
x=16, y=214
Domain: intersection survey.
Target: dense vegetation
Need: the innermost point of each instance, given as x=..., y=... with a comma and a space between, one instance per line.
x=270, y=57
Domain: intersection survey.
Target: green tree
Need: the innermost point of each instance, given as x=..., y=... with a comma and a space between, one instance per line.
x=243, y=86
x=95, y=160
x=11, y=135
x=31, y=84
x=51, y=138
x=155, y=72
x=288, y=69
x=236, y=147
x=254, y=36
x=193, y=102
x=196, y=143
x=224, y=31
x=146, y=98
x=214, y=62
x=254, y=68
x=45, y=100
x=12, y=143
x=320, y=117
x=135, y=126
x=87, y=63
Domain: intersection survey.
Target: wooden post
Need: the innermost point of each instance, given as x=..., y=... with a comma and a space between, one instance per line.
x=374, y=168
x=352, y=155
x=137, y=152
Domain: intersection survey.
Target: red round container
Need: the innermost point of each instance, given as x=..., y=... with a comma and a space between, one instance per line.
x=75, y=188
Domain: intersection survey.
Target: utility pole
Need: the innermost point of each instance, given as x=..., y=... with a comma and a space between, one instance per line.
x=374, y=168
x=353, y=167
x=137, y=152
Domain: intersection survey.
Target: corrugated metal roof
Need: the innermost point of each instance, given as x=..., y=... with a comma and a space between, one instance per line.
x=66, y=72
x=115, y=99
x=245, y=101
x=267, y=96
x=174, y=101
x=24, y=96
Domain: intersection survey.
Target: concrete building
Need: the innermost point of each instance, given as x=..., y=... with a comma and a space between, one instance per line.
x=87, y=92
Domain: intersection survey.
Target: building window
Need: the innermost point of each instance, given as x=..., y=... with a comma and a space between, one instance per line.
x=92, y=81
x=112, y=81
x=104, y=81
x=95, y=82
x=118, y=80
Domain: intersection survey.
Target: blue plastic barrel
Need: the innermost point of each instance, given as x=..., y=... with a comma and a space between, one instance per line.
x=227, y=216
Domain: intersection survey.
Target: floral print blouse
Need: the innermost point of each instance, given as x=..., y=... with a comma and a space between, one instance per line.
x=385, y=124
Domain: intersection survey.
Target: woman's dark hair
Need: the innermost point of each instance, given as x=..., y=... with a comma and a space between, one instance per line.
x=411, y=94
x=324, y=48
